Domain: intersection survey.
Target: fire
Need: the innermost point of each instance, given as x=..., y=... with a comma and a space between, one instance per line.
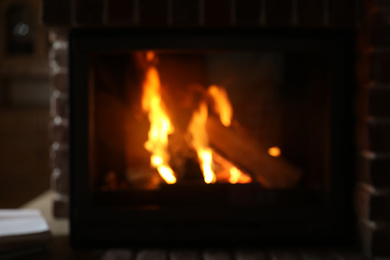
x=160, y=124
x=161, y=127
x=237, y=176
x=200, y=142
x=274, y=151
x=222, y=105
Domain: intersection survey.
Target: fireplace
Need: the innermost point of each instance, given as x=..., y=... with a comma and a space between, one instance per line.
x=367, y=18
x=211, y=136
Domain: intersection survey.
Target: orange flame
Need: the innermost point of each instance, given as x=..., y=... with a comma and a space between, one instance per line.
x=237, y=176
x=222, y=105
x=160, y=125
x=274, y=151
x=200, y=141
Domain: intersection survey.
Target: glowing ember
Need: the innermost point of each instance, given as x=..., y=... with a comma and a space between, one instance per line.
x=160, y=125
x=222, y=105
x=274, y=151
x=200, y=142
x=237, y=176
x=150, y=56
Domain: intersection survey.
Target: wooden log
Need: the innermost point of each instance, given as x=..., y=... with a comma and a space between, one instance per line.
x=242, y=150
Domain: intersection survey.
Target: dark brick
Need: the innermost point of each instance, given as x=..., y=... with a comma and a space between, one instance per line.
x=363, y=170
x=362, y=102
x=60, y=181
x=120, y=12
x=374, y=102
x=375, y=240
x=376, y=172
x=371, y=206
x=153, y=13
x=380, y=65
x=380, y=37
x=56, y=12
x=379, y=99
x=362, y=137
x=60, y=82
x=380, y=29
x=59, y=106
x=379, y=137
x=342, y=13
x=363, y=65
x=59, y=56
x=311, y=13
x=381, y=19
x=381, y=3
x=59, y=133
x=379, y=207
x=217, y=13
x=362, y=203
x=89, y=12
x=186, y=13
x=380, y=173
x=380, y=245
x=60, y=159
x=365, y=235
x=279, y=12
x=248, y=13
x=373, y=136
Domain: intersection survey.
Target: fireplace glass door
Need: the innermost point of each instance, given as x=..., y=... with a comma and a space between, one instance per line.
x=209, y=129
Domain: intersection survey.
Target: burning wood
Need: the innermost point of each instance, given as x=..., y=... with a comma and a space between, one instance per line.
x=213, y=148
x=228, y=172
x=271, y=172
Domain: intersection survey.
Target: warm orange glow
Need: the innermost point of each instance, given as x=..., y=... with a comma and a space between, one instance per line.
x=149, y=55
x=206, y=159
x=200, y=142
x=222, y=105
x=167, y=174
x=274, y=151
x=237, y=176
x=160, y=125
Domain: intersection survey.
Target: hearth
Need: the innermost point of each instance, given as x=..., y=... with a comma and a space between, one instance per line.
x=211, y=136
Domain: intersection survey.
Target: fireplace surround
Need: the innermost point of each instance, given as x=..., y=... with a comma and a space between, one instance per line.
x=368, y=18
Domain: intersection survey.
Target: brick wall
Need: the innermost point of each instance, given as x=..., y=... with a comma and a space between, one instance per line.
x=201, y=13
x=373, y=127
x=371, y=19
x=59, y=120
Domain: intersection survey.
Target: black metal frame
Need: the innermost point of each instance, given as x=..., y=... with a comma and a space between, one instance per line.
x=311, y=225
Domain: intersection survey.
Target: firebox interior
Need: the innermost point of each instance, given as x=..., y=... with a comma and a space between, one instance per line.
x=154, y=142
x=280, y=100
